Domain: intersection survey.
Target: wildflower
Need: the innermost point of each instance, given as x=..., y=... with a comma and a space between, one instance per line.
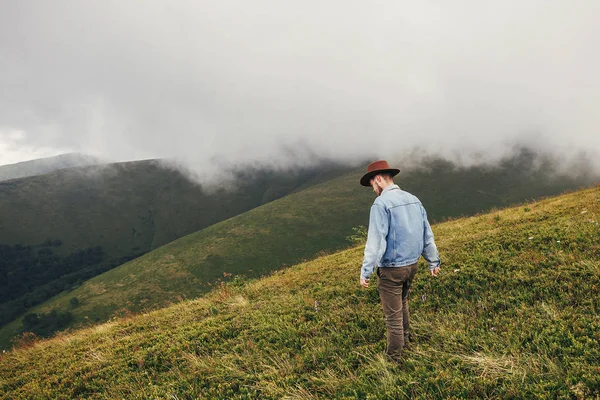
x=493, y=328
x=456, y=270
x=584, y=211
x=423, y=297
x=316, y=306
x=530, y=237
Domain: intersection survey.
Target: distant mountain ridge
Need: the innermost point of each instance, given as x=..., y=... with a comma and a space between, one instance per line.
x=46, y=165
x=130, y=207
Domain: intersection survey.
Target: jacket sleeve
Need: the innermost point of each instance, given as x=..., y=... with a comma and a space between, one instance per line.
x=376, y=240
x=430, y=251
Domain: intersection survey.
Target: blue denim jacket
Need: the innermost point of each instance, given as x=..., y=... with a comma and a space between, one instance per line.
x=398, y=233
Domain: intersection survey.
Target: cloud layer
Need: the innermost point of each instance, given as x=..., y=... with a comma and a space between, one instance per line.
x=280, y=82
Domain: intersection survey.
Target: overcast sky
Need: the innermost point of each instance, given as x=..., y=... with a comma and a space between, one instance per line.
x=279, y=81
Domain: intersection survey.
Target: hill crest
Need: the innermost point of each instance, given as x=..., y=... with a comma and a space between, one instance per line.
x=43, y=166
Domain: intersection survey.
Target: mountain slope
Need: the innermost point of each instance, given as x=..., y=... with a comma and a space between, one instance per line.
x=60, y=229
x=288, y=231
x=511, y=315
x=44, y=166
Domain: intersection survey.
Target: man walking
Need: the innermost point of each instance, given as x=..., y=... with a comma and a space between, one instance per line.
x=399, y=234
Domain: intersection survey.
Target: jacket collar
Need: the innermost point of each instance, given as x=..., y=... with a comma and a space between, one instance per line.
x=391, y=187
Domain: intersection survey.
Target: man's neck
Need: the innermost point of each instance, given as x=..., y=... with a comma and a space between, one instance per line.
x=386, y=185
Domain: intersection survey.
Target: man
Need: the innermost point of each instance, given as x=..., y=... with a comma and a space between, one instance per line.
x=399, y=234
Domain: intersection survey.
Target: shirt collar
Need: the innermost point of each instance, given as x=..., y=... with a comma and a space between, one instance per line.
x=391, y=187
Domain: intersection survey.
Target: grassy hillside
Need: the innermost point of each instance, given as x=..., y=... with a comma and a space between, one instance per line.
x=287, y=231
x=258, y=241
x=513, y=314
x=47, y=165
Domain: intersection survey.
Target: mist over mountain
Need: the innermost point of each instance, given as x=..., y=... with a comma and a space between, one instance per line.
x=131, y=207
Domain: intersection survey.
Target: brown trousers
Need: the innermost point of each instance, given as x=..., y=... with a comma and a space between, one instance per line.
x=394, y=285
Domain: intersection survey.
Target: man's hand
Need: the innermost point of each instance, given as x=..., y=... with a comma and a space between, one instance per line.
x=364, y=283
x=435, y=271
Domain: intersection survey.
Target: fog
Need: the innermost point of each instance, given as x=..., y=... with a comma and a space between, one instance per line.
x=279, y=83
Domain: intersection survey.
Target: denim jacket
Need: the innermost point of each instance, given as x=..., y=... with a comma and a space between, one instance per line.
x=399, y=233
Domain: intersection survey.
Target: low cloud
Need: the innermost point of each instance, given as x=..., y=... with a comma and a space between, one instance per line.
x=14, y=148
x=280, y=84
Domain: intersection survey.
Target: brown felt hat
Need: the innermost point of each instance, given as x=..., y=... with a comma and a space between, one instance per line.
x=375, y=168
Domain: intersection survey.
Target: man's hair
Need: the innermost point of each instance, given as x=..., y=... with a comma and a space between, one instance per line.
x=387, y=175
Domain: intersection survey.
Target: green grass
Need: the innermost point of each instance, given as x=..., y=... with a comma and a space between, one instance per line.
x=288, y=230
x=513, y=314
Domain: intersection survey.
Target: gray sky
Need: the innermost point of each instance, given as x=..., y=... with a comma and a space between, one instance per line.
x=280, y=81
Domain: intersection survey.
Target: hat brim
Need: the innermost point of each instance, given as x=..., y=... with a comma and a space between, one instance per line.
x=366, y=179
